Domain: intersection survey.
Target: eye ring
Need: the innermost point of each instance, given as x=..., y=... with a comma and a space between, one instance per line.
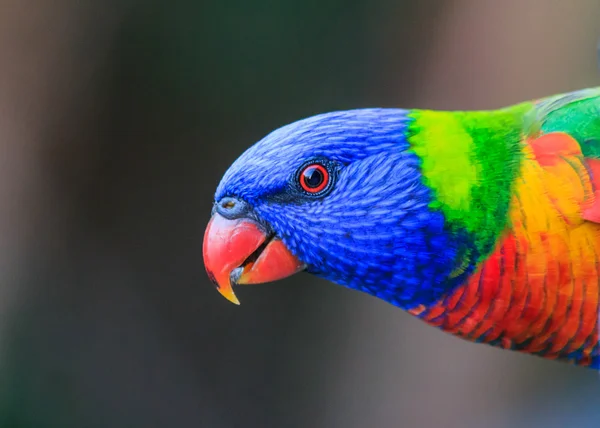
x=314, y=178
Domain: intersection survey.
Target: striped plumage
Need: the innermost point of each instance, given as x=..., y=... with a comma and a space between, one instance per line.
x=538, y=290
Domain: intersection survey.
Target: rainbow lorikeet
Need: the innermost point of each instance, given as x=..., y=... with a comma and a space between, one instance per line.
x=485, y=224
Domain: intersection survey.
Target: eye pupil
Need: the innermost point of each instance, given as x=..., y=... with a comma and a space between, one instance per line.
x=314, y=178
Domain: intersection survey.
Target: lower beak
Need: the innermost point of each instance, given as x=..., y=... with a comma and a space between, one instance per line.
x=239, y=251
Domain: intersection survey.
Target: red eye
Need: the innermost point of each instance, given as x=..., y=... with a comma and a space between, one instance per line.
x=314, y=178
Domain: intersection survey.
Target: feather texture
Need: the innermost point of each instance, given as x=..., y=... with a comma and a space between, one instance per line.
x=538, y=290
x=484, y=224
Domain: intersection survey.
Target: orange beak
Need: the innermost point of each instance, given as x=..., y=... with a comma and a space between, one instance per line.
x=239, y=251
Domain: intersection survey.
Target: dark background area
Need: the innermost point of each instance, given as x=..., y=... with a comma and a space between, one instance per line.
x=117, y=120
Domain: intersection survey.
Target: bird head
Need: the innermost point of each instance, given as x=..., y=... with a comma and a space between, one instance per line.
x=338, y=195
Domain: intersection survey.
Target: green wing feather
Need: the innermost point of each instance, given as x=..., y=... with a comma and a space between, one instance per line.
x=576, y=113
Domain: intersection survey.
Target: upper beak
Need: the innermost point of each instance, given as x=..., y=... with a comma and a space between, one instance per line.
x=239, y=251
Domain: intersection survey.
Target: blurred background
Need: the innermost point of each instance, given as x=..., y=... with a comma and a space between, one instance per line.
x=117, y=120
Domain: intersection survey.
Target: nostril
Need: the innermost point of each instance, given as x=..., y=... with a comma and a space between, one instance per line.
x=228, y=204
x=232, y=208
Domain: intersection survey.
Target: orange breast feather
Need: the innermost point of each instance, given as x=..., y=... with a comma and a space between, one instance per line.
x=538, y=292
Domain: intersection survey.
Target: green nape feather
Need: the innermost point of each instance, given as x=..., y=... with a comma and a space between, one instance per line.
x=470, y=160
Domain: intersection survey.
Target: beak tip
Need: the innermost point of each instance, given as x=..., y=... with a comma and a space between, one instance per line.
x=226, y=292
x=231, y=297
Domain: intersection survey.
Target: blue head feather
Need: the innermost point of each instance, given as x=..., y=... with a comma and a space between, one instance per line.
x=374, y=230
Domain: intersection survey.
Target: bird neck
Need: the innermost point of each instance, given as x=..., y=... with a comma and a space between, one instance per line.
x=470, y=161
